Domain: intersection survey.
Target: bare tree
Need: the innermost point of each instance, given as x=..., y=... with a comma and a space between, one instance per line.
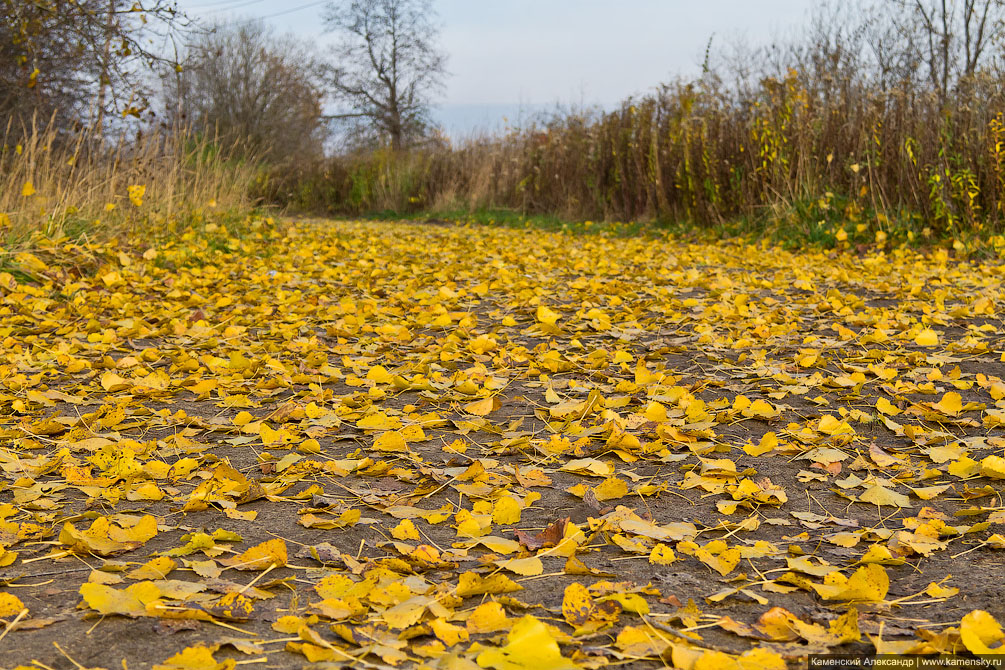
x=951, y=38
x=387, y=65
x=931, y=45
x=82, y=59
x=252, y=89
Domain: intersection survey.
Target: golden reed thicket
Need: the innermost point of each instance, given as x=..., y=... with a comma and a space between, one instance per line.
x=791, y=148
x=57, y=184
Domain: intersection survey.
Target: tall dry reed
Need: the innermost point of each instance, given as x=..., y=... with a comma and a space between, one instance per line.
x=56, y=184
x=794, y=146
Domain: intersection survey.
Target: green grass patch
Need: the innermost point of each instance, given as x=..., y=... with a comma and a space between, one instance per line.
x=828, y=222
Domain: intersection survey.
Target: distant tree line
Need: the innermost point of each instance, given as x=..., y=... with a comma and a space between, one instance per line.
x=93, y=63
x=885, y=114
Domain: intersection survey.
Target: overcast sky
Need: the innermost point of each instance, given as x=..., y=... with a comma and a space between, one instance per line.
x=546, y=51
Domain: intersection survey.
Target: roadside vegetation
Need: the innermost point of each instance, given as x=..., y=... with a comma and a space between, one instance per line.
x=850, y=129
x=877, y=122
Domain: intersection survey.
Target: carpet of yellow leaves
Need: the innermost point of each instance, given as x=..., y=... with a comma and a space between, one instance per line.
x=384, y=444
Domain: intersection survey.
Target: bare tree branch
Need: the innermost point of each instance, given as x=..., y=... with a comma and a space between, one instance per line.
x=251, y=88
x=83, y=59
x=387, y=66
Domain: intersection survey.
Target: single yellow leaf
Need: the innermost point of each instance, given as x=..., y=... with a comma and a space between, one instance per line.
x=112, y=382
x=448, y=633
x=271, y=553
x=831, y=425
x=391, y=440
x=951, y=404
x=662, y=555
x=199, y=657
x=886, y=407
x=488, y=617
x=506, y=510
x=405, y=530
x=406, y=613
x=526, y=567
x=993, y=466
x=610, y=489
x=979, y=630
x=879, y=553
x=757, y=659
x=529, y=646
x=483, y=407
x=642, y=641
x=131, y=601
x=155, y=568
x=870, y=583
x=880, y=495
x=936, y=590
x=10, y=605
x=546, y=315
x=577, y=604
x=379, y=421
x=769, y=442
x=760, y=409
x=494, y=543
x=379, y=374
x=471, y=584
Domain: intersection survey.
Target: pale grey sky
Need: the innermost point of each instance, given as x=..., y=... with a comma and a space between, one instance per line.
x=594, y=51
x=543, y=51
x=510, y=54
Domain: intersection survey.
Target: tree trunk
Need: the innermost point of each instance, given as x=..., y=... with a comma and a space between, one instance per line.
x=105, y=74
x=394, y=129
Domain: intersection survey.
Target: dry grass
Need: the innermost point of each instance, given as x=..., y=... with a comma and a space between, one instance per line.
x=800, y=148
x=825, y=156
x=54, y=185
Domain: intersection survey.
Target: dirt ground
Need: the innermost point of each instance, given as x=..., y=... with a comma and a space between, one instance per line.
x=645, y=450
